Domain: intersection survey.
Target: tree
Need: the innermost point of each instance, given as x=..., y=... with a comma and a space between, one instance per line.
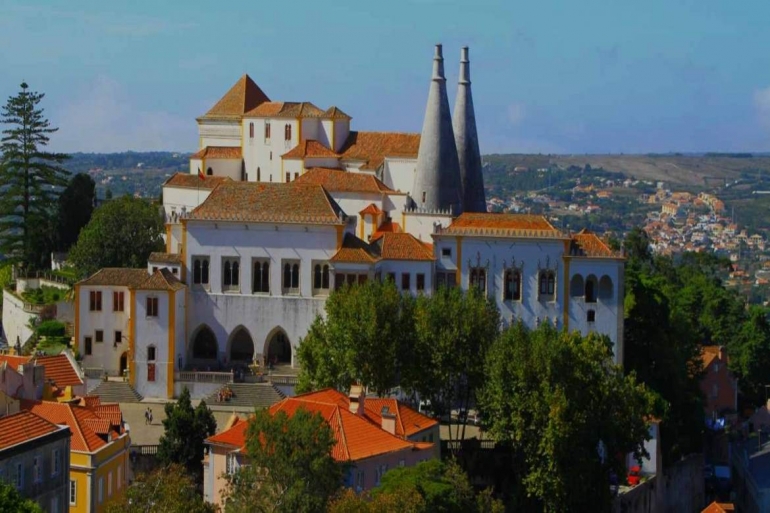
x=290, y=465
x=76, y=204
x=750, y=356
x=184, y=432
x=637, y=246
x=405, y=501
x=166, y=490
x=122, y=233
x=566, y=411
x=30, y=181
x=11, y=500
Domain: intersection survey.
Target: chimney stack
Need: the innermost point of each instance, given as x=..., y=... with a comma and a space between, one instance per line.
x=388, y=420
x=467, y=141
x=357, y=400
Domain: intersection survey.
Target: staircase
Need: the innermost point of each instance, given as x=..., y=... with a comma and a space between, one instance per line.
x=247, y=395
x=116, y=392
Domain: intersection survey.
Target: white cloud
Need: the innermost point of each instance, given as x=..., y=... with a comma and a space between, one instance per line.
x=516, y=113
x=762, y=104
x=105, y=119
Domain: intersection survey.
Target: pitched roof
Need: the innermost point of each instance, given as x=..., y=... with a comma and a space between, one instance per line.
x=78, y=418
x=719, y=507
x=337, y=180
x=244, y=96
x=334, y=112
x=285, y=110
x=165, y=258
x=309, y=148
x=387, y=226
x=372, y=209
x=218, y=152
x=586, y=243
x=13, y=361
x=373, y=147
x=194, y=181
x=162, y=279
x=116, y=276
x=354, y=251
x=269, y=202
x=59, y=369
x=709, y=354
x=502, y=225
x=401, y=246
x=23, y=426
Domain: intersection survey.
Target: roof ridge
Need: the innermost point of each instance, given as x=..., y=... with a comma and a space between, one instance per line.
x=341, y=427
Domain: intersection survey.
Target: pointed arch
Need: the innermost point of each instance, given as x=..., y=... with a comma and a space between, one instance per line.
x=203, y=344
x=591, y=288
x=277, y=347
x=240, y=346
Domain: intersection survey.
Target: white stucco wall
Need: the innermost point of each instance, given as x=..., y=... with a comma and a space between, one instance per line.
x=398, y=173
x=410, y=267
x=15, y=319
x=177, y=199
x=265, y=154
x=230, y=168
x=151, y=331
x=341, y=132
x=104, y=354
x=219, y=133
x=422, y=225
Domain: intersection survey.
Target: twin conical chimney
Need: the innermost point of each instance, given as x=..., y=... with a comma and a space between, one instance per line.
x=437, y=183
x=467, y=141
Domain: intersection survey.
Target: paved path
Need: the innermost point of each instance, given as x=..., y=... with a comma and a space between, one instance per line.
x=143, y=434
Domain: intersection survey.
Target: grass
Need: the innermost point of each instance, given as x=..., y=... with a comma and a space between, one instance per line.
x=44, y=295
x=52, y=346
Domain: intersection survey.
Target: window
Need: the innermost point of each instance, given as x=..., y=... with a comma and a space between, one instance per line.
x=251, y=130
x=288, y=177
x=445, y=279
x=201, y=270
x=120, y=477
x=118, y=337
x=321, y=278
x=405, y=279
x=55, y=462
x=267, y=131
x=55, y=504
x=151, y=372
x=151, y=354
x=88, y=348
x=591, y=316
x=154, y=269
x=37, y=466
x=231, y=274
x=423, y=196
x=174, y=270
x=360, y=479
x=420, y=282
x=95, y=297
x=590, y=293
x=118, y=301
x=287, y=133
x=209, y=172
x=101, y=490
x=296, y=175
x=73, y=492
x=19, y=476
x=259, y=175
x=99, y=335
x=391, y=277
x=401, y=463
x=109, y=484
x=512, y=285
x=271, y=176
x=152, y=307
x=547, y=284
x=478, y=278
x=716, y=367
x=291, y=277
x=446, y=252
x=715, y=390
x=261, y=277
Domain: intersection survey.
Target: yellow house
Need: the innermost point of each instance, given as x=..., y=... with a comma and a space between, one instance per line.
x=99, y=450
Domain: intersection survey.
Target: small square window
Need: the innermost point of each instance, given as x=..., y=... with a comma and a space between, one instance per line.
x=591, y=316
x=152, y=307
x=73, y=492
x=99, y=336
x=420, y=282
x=151, y=353
x=446, y=252
x=118, y=337
x=405, y=281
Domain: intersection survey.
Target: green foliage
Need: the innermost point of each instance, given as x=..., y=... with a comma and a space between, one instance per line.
x=44, y=295
x=184, y=430
x=122, y=233
x=405, y=501
x=750, y=355
x=290, y=466
x=10, y=500
x=166, y=490
x=556, y=398
x=50, y=328
x=76, y=204
x=30, y=179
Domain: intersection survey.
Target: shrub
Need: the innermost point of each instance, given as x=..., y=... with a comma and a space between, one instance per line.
x=51, y=329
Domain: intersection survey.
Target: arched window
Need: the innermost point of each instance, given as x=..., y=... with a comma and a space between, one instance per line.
x=196, y=271
x=287, y=135
x=325, y=278
x=590, y=295
x=267, y=130
x=231, y=268
x=547, y=284
x=236, y=273
x=605, y=288
x=251, y=130
x=512, y=285
x=210, y=172
x=478, y=278
x=317, y=276
x=201, y=270
x=576, y=286
x=295, y=276
x=227, y=279
x=205, y=271
x=291, y=277
x=286, y=276
x=261, y=276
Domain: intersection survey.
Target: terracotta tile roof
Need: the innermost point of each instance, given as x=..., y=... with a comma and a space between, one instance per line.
x=502, y=225
x=84, y=438
x=23, y=426
x=309, y=148
x=244, y=96
x=110, y=412
x=286, y=110
x=218, y=152
x=165, y=258
x=59, y=369
x=401, y=246
x=373, y=147
x=116, y=276
x=335, y=113
x=585, y=243
x=269, y=202
x=719, y=507
x=266, y=110
x=709, y=354
x=162, y=279
x=387, y=226
x=408, y=421
x=194, y=181
x=13, y=362
x=337, y=180
x=98, y=426
x=372, y=209
x=354, y=251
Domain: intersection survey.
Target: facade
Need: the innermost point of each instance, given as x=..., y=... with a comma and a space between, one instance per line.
x=35, y=458
x=372, y=434
x=719, y=385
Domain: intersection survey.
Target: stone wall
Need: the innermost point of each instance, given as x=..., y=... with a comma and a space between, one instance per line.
x=679, y=490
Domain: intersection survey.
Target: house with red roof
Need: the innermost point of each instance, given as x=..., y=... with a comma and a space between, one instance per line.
x=718, y=385
x=372, y=434
x=55, y=378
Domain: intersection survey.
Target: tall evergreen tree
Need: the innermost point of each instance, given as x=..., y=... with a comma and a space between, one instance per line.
x=76, y=205
x=30, y=181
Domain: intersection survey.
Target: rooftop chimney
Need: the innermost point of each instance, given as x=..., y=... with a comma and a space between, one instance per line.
x=388, y=420
x=467, y=141
x=437, y=184
x=357, y=400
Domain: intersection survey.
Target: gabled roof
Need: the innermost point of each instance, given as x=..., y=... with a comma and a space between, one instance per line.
x=373, y=147
x=719, y=507
x=335, y=113
x=401, y=246
x=218, y=152
x=354, y=251
x=586, y=243
x=162, y=279
x=387, y=226
x=309, y=148
x=372, y=209
x=269, y=202
x=709, y=354
x=165, y=258
x=23, y=426
x=502, y=225
x=244, y=96
x=193, y=181
x=285, y=110
x=59, y=369
x=116, y=277
x=337, y=180
x=13, y=361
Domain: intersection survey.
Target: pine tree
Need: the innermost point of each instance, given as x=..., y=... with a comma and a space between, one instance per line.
x=31, y=180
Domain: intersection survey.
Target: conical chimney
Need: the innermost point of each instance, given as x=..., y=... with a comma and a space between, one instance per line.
x=437, y=183
x=467, y=141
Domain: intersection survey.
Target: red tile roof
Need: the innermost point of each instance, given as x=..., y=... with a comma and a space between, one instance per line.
x=116, y=277
x=373, y=147
x=13, y=361
x=162, y=279
x=335, y=113
x=269, y=202
x=218, y=152
x=717, y=507
x=23, y=426
x=354, y=251
x=337, y=180
x=309, y=148
x=586, y=243
x=165, y=258
x=402, y=246
x=285, y=110
x=502, y=225
x=78, y=418
x=191, y=181
x=387, y=226
x=372, y=209
x=59, y=369
x=244, y=96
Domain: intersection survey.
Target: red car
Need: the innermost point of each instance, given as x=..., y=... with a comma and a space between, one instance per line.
x=634, y=475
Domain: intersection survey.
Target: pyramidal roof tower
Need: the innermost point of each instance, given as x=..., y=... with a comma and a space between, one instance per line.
x=437, y=183
x=467, y=141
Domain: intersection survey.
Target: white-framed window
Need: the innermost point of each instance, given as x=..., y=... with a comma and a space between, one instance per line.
x=360, y=479
x=100, y=490
x=290, y=279
x=512, y=285
x=73, y=492
x=478, y=278
x=200, y=265
x=231, y=463
x=321, y=278
x=231, y=274
x=546, y=285
x=260, y=276
x=445, y=279
x=55, y=462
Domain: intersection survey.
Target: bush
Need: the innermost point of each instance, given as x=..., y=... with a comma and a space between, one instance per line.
x=51, y=329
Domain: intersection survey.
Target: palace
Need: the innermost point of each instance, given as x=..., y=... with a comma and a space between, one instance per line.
x=284, y=203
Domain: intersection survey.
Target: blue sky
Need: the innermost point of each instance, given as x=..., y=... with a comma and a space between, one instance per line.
x=594, y=76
